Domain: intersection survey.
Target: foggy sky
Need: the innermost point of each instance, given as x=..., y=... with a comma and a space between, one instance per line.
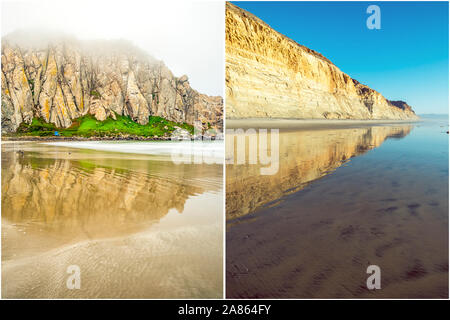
x=187, y=35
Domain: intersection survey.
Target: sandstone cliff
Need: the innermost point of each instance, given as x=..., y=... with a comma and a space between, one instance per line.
x=270, y=75
x=62, y=79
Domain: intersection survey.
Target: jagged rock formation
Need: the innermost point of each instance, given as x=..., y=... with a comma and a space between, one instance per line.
x=62, y=79
x=271, y=76
x=306, y=157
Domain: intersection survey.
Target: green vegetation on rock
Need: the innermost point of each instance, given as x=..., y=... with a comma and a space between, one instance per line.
x=88, y=126
x=95, y=94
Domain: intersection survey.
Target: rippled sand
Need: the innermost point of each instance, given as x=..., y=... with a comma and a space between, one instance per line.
x=136, y=225
x=343, y=199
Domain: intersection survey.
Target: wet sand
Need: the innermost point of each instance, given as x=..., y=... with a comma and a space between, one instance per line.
x=366, y=197
x=210, y=151
x=310, y=124
x=138, y=226
x=304, y=157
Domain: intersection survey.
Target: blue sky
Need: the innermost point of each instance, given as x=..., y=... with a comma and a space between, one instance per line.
x=407, y=59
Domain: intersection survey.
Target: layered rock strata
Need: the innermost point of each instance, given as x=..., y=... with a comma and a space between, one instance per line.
x=271, y=76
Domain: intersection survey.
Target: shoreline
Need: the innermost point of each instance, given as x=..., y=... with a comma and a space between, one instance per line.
x=278, y=123
x=212, y=150
x=60, y=138
x=209, y=152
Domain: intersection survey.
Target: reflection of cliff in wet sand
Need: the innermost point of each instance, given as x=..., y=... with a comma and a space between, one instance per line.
x=386, y=207
x=305, y=156
x=70, y=200
x=131, y=224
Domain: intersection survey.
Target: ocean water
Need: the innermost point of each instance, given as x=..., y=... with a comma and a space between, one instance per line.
x=343, y=199
x=210, y=149
x=137, y=224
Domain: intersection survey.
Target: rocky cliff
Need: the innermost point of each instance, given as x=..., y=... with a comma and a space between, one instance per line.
x=270, y=75
x=62, y=79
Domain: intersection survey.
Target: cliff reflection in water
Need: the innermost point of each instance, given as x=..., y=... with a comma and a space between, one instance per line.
x=79, y=197
x=137, y=225
x=304, y=156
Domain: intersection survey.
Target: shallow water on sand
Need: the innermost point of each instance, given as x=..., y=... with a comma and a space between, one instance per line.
x=343, y=199
x=137, y=225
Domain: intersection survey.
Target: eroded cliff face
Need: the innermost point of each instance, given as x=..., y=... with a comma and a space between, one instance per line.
x=65, y=78
x=305, y=156
x=270, y=75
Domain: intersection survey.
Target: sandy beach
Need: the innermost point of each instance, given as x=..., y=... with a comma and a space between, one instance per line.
x=214, y=149
x=308, y=124
x=137, y=224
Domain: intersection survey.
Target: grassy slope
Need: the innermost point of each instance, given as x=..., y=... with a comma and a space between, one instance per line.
x=88, y=126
